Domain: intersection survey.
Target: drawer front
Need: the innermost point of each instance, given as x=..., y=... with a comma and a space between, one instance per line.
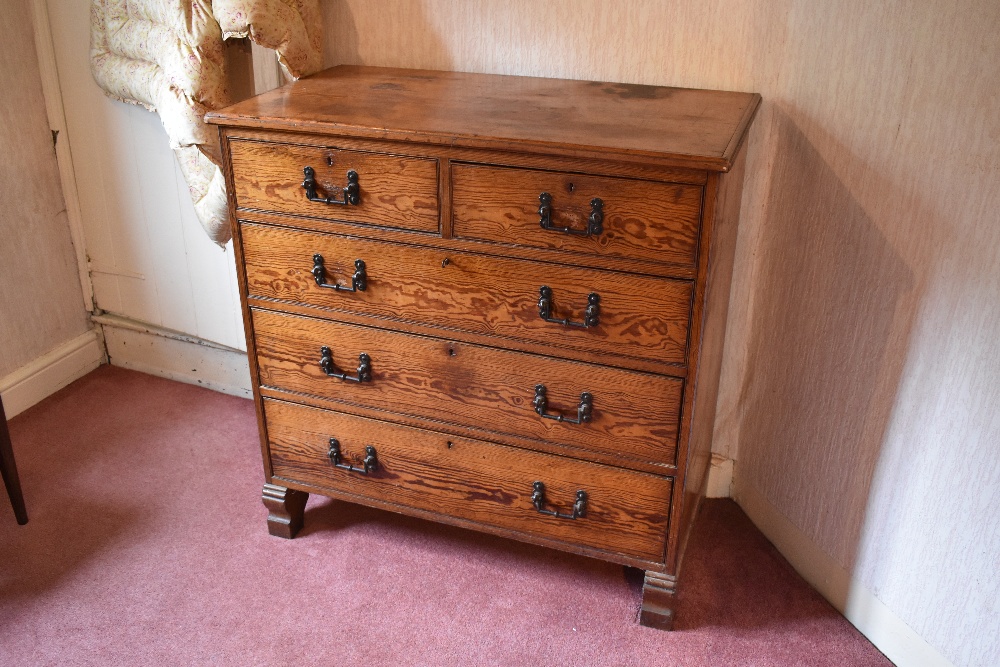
x=640, y=317
x=393, y=190
x=634, y=415
x=641, y=219
x=626, y=511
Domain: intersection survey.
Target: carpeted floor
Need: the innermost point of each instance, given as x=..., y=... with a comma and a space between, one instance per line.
x=147, y=545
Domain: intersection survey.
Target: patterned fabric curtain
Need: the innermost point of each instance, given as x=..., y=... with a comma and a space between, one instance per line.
x=168, y=56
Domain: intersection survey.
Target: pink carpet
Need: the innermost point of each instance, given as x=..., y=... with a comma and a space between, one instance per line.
x=147, y=545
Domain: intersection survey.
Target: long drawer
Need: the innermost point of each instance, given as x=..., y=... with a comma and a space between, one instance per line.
x=633, y=415
x=639, y=317
x=624, y=511
x=638, y=219
x=391, y=190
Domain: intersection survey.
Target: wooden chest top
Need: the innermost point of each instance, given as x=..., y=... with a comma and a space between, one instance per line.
x=700, y=129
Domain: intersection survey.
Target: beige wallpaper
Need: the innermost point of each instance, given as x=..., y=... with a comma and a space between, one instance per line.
x=861, y=388
x=41, y=305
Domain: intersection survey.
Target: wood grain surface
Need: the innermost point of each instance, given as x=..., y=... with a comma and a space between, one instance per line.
x=491, y=484
x=454, y=333
x=635, y=414
x=641, y=317
x=642, y=219
x=685, y=127
x=396, y=190
x=723, y=193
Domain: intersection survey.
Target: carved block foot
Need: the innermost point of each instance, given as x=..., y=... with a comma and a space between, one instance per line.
x=285, y=508
x=659, y=596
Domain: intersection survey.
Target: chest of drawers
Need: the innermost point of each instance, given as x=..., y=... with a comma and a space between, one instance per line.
x=495, y=302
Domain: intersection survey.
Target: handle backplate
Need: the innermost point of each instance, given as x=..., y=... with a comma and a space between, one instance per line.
x=539, y=501
x=350, y=194
x=359, y=280
x=595, y=221
x=584, y=411
x=368, y=464
x=364, y=366
x=591, y=316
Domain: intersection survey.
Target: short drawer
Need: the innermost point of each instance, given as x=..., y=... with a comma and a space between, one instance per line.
x=636, y=219
x=624, y=511
x=635, y=316
x=631, y=415
x=392, y=190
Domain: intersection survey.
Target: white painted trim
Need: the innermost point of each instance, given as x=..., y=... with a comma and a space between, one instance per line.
x=111, y=320
x=150, y=349
x=52, y=93
x=267, y=73
x=878, y=623
x=720, y=477
x=51, y=372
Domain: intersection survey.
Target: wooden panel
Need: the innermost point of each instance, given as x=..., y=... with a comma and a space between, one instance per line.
x=487, y=483
x=598, y=166
x=641, y=219
x=396, y=191
x=692, y=128
x=706, y=363
x=640, y=316
x=609, y=263
x=635, y=414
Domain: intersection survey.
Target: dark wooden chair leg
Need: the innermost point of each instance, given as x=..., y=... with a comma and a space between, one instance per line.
x=9, y=470
x=285, y=509
x=659, y=596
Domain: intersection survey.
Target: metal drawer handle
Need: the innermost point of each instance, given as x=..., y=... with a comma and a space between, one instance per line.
x=364, y=367
x=369, y=463
x=538, y=500
x=359, y=281
x=351, y=192
x=584, y=411
x=591, y=317
x=595, y=222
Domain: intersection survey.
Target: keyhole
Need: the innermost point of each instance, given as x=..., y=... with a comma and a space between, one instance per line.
x=329, y=160
x=450, y=444
x=570, y=187
x=445, y=262
x=451, y=351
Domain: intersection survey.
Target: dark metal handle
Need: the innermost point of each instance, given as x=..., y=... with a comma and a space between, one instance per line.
x=538, y=500
x=591, y=317
x=351, y=192
x=369, y=463
x=364, y=366
x=584, y=411
x=359, y=281
x=595, y=222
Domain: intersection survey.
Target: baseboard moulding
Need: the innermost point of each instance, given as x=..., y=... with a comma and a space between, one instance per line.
x=44, y=376
x=892, y=636
x=177, y=356
x=720, y=477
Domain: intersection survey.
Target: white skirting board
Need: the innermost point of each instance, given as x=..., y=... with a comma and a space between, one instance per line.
x=720, y=477
x=878, y=623
x=150, y=349
x=51, y=372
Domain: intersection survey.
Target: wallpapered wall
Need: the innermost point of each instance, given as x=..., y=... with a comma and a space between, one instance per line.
x=41, y=304
x=861, y=387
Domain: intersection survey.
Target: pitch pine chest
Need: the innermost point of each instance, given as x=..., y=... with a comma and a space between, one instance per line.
x=496, y=302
